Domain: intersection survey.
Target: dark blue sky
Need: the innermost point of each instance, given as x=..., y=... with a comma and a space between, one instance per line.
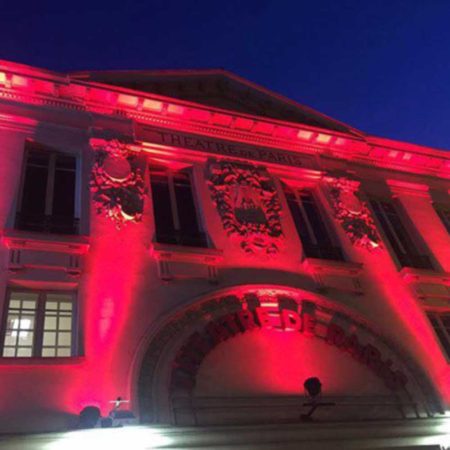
x=382, y=66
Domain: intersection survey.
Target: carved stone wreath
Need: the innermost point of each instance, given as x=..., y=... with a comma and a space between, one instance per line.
x=352, y=213
x=116, y=183
x=247, y=201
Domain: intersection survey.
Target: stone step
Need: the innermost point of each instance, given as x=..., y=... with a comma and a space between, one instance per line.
x=425, y=434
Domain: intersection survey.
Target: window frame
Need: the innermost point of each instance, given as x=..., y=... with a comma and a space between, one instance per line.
x=37, y=345
x=442, y=210
x=411, y=233
x=314, y=192
x=53, y=153
x=189, y=169
x=436, y=315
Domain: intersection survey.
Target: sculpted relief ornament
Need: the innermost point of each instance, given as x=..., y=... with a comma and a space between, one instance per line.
x=352, y=213
x=247, y=201
x=116, y=183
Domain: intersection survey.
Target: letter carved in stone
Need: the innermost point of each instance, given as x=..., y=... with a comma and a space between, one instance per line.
x=352, y=213
x=116, y=183
x=247, y=201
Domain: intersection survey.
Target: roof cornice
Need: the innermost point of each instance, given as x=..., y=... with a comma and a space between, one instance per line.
x=28, y=85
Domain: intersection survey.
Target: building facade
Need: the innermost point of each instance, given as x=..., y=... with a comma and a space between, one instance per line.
x=200, y=246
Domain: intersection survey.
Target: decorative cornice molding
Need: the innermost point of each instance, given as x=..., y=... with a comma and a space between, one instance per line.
x=34, y=86
x=407, y=188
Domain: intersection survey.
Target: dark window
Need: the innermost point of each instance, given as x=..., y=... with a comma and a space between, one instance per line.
x=39, y=324
x=441, y=326
x=176, y=219
x=310, y=224
x=48, y=193
x=401, y=241
x=443, y=212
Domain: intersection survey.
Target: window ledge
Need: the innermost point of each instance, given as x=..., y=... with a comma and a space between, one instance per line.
x=23, y=240
x=179, y=253
x=332, y=267
x=41, y=361
x=413, y=275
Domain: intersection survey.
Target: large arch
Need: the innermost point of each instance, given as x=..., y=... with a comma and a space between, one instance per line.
x=174, y=352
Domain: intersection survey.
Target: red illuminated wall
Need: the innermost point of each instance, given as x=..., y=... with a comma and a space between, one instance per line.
x=122, y=298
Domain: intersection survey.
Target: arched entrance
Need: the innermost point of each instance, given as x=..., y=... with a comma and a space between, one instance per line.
x=327, y=331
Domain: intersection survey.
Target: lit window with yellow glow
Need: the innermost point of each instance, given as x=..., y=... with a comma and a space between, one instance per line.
x=39, y=324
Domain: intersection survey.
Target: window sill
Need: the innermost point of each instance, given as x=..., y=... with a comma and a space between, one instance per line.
x=330, y=274
x=413, y=275
x=179, y=253
x=41, y=361
x=28, y=240
x=332, y=267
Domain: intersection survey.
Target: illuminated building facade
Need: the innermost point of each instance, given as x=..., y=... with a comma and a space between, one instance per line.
x=201, y=246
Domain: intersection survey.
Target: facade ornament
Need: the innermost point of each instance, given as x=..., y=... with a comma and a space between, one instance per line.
x=117, y=183
x=247, y=201
x=352, y=213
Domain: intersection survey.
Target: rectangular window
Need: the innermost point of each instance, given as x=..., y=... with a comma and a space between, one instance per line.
x=310, y=224
x=443, y=212
x=401, y=241
x=47, y=201
x=176, y=218
x=441, y=326
x=39, y=324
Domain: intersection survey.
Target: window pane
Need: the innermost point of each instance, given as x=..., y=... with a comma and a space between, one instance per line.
x=297, y=215
x=24, y=352
x=29, y=304
x=36, y=211
x=66, y=163
x=315, y=219
x=10, y=339
x=67, y=306
x=57, y=342
x=31, y=296
x=65, y=323
x=438, y=321
x=63, y=208
x=49, y=338
x=50, y=323
x=443, y=212
x=48, y=352
x=12, y=322
x=25, y=339
x=162, y=208
x=310, y=225
x=445, y=318
x=185, y=204
x=401, y=241
x=9, y=352
x=35, y=183
x=59, y=297
x=20, y=324
x=64, y=339
x=63, y=352
x=55, y=324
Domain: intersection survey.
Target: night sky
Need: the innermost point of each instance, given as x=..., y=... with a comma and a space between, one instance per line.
x=382, y=66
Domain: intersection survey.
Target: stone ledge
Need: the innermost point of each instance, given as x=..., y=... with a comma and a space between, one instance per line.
x=24, y=240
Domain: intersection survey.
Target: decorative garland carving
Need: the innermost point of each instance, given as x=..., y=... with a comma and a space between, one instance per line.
x=247, y=201
x=352, y=213
x=116, y=183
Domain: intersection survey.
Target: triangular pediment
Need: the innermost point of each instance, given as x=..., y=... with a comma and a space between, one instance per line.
x=220, y=89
